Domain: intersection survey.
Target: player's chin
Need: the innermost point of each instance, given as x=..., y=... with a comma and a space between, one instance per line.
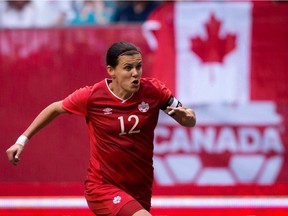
x=134, y=88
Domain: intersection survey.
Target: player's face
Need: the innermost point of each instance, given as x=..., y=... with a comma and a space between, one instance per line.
x=126, y=75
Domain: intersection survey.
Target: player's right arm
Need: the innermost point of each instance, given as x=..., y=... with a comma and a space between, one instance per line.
x=44, y=118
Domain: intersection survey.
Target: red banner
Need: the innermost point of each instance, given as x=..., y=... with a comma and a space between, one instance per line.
x=38, y=67
x=229, y=62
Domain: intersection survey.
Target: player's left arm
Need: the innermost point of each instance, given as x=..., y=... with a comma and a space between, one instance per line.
x=182, y=114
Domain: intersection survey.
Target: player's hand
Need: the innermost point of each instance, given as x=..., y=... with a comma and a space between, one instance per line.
x=184, y=115
x=14, y=153
x=180, y=111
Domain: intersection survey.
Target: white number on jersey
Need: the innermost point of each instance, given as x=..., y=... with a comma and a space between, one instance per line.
x=134, y=118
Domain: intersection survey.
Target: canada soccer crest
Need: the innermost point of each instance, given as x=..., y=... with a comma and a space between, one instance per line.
x=143, y=107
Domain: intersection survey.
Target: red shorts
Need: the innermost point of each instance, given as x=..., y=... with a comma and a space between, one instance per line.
x=108, y=200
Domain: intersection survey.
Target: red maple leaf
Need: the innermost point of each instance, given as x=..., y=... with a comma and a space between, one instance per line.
x=214, y=48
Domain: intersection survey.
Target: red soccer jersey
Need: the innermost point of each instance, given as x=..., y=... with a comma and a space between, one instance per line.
x=121, y=133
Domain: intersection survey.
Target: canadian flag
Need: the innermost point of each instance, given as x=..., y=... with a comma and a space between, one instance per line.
x=229, y=61
x=220, y=52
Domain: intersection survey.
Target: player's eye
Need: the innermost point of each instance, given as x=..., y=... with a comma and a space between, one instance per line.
x=127, y=68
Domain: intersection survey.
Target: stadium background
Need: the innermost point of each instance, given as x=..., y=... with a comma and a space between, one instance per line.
x=40, y=66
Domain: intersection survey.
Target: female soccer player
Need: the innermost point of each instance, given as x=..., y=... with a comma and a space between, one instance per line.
x=121, y=114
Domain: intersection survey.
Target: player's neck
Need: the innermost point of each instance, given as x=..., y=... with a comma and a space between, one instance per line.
x=120, y=93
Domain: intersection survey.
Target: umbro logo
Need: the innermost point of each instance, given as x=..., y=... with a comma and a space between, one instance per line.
x=107, y=111
x=117, y=199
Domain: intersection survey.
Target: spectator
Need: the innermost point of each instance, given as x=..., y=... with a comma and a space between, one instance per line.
x=33, y=13
x=52, y=12
x=135, y=11
x=17, y=14
x=92, y=12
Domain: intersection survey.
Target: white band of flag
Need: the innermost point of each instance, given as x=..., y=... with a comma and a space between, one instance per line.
x=157, y=202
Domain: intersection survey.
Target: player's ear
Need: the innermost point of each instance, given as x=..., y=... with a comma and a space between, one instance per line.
x=110, y=71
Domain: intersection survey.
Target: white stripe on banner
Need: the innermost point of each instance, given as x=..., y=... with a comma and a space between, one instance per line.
x=205, y=74
x=157, y=202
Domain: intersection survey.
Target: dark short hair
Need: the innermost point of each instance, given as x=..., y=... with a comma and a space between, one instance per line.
x=120, y=48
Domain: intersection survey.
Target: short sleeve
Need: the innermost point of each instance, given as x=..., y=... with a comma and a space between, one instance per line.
x=76, y=102
x=164, y=92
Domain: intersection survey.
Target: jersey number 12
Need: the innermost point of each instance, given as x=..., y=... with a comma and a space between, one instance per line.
x=134, y=118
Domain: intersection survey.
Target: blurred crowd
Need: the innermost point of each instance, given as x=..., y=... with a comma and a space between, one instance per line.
x=55, y=13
